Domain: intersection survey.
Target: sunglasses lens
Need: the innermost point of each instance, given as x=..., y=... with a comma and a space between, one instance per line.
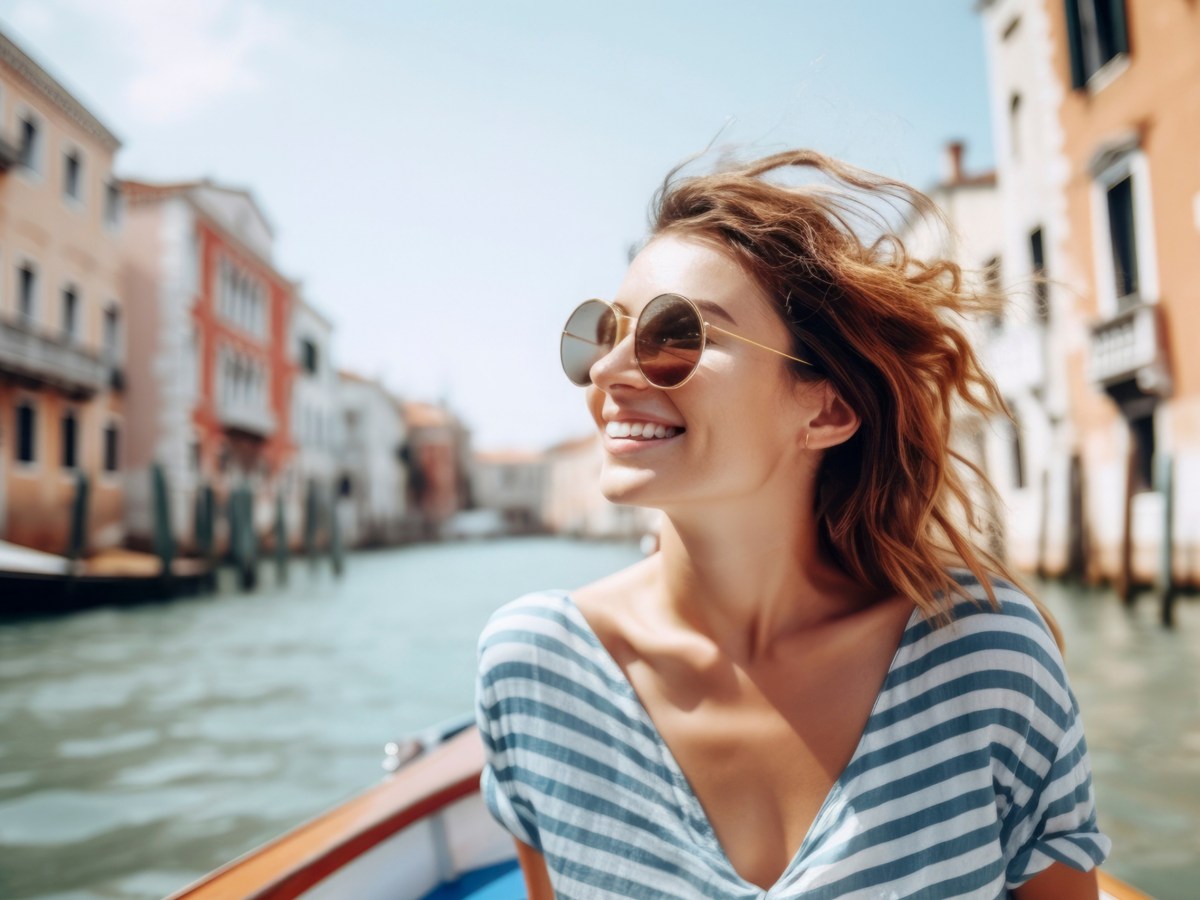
x=588, y=335
x=668, y=340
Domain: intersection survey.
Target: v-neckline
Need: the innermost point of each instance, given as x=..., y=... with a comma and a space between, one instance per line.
x=694, y=811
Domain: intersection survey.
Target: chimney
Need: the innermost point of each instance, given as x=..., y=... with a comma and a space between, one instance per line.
x=954, y=162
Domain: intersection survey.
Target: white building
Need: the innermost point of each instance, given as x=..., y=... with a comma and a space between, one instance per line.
x=316, y=430
x=513, y=483
x=972, y=237
x=1027, y=353
x=372, y=478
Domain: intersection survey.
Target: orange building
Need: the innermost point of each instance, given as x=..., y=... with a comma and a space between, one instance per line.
x=1130, y=120
x=1096, y=112
x=62, y=312
x=210, y=366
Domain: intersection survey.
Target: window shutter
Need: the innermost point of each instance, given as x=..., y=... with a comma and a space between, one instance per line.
x=1120, y=25
x=1075, y=43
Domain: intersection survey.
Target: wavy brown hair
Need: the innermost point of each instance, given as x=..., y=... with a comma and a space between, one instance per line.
x=884, y=330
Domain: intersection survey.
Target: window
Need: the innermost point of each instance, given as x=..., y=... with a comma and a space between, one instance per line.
x=1097, y=32
x=70, y=313
x=308, y=356
x=26, y=432
x=112, y=437
x=27, y=292
x=31, y=142
x=1124, y=241
x=70, y=437
x=1141, y=431
x=1018, y=453
x=72, y=176
x=112, y=333
x=1037, y=262
x=112, y=203
x=1014, y=124
x=991, y=281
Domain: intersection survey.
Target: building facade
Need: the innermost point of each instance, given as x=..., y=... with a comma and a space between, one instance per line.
x=513, y=483
x=211, y=362
x=62, y=312
x=574, y=504
x=1096, y=105
x=316, y=430
x=372, y=475
x=438, y=451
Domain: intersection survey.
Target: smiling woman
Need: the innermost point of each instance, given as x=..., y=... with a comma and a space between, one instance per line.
x=821, y=685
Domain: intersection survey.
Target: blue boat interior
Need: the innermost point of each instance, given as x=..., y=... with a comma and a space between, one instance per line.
x=502, y=881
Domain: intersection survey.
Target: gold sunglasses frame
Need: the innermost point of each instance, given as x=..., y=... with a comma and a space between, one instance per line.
x=704, y=329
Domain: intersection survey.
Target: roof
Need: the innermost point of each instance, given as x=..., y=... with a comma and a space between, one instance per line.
x=25, y=66
x=137, y=190
x=573, y=444
x=426, y=415
x=509, y=457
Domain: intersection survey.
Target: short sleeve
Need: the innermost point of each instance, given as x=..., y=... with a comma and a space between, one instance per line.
x=1055, y=820
x=500, y=783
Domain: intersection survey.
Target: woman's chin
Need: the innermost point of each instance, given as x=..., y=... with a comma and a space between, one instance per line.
x=627, y=486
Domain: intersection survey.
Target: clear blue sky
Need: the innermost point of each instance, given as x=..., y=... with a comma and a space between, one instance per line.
x=449, y=179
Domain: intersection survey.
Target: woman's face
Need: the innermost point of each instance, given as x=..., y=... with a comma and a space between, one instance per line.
x=739, y=420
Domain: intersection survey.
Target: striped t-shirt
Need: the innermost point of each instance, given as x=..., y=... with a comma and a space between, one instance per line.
x=970, y=777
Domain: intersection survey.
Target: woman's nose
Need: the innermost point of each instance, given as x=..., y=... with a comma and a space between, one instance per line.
x=618, y=366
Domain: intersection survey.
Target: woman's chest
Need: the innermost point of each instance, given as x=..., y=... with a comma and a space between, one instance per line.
x=760, y=751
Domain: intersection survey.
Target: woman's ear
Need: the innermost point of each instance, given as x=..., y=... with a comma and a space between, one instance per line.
x=834, y=423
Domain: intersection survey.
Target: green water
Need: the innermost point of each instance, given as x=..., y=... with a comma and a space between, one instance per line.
x=142, y=748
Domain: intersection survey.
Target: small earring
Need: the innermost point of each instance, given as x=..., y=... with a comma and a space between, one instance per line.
x=806, y=440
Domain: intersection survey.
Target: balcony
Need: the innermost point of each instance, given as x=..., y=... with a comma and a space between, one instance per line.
x=247, y=417
x=1129, y=346
x=51, y=361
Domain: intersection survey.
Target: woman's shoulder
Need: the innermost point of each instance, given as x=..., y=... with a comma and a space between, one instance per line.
x=538, y=612
x=1009, y=633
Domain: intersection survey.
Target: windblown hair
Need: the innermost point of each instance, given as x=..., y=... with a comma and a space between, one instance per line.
x=884, y=329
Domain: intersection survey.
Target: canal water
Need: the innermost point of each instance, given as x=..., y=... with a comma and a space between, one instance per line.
x=142, y=748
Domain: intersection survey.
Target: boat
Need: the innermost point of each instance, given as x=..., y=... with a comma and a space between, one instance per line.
x=33, y=583
x=422, y=834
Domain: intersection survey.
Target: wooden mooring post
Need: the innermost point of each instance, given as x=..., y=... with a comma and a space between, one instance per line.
x=1166, y=559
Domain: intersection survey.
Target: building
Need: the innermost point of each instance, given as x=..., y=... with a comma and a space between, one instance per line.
x=316, y=430
x=1097, y=113
x=972, y=237
x=62, y=312
x=574, y=504
x=439, y=454
x=372, y=476
x=513, y=483
x=211, y=360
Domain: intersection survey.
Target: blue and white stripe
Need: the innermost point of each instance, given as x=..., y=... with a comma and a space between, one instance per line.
x=971, y=776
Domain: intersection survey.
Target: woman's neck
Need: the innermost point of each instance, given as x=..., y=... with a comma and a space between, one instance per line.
x=750, y=580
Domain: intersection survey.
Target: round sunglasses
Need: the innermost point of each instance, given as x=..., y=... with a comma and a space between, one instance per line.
x=668, y=340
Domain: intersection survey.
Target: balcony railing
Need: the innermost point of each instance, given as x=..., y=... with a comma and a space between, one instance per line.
x=1129, y=346
x=247, y=417
x=50, y=360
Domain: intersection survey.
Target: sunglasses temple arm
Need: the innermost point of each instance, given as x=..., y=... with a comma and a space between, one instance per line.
x=757, y=344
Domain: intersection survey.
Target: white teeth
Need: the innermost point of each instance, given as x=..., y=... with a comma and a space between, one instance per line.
x=643, y=430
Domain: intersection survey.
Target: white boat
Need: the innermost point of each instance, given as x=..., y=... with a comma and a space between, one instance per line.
x=423, y=834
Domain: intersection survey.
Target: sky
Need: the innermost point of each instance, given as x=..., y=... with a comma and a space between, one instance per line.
x=448, y=180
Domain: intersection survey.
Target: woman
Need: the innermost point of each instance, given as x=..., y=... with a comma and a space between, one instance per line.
x=820, y=686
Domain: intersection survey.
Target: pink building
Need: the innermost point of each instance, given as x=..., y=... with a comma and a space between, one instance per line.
x=62, y=312
x=211, y=370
